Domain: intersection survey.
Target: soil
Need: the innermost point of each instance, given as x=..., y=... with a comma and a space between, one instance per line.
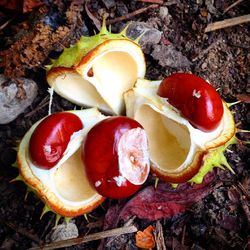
x=221, y=219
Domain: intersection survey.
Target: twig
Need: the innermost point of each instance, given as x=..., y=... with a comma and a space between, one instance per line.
x=159, y=237
x=132, y=14
x=170, y=2
x=21, y=231
x=96, y=224
x=5, y=24
x=243, y=190
x=183, y=235
x=46, y=228
x=87, y=238
x=127, y=224
x=227, y=23
x=42, y=104
x=152, y=1
x=243, y=195
x=232, y=6
x=245, y=207
x=96, y=22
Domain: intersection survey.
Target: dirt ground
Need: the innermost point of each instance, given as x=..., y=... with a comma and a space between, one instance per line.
x=175, y=42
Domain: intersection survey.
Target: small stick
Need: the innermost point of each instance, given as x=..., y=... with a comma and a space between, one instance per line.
x=152, y=1
x=92, y=17
x=132, y=14
x=159, y=237
x=243, y=190
x=5, y=24
x=46, y=228
x=227, y=23
x=183, y=235
x=232, y=5
x=87, y=238
x=41, y=105
x=127, y=224
x=245, y=207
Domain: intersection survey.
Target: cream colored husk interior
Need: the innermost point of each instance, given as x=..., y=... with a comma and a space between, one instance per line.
x=114, y=72
x=66, y=183
x=173, y=141
x=169, y=142
x=71, y=181
x=72, y=86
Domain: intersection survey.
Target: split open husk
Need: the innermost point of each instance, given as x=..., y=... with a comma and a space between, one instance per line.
x=178, y=151
x=64, y=188
x=97, y=70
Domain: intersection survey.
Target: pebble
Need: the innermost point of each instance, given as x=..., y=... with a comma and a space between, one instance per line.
x=163, y=12
x=11, y=104
x=109, y=3
x=151, y=35
x=204, y=65
x=63, y=232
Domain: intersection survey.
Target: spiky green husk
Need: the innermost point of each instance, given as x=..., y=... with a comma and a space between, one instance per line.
x=72, y=56
x=46, y=208
x=214, y=158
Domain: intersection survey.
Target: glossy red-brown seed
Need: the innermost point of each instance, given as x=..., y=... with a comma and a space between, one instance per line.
x=51, y=137
x=101, y=157
x=197, y=100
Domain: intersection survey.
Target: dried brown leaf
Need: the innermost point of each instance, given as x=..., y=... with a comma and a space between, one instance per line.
x=32, y=49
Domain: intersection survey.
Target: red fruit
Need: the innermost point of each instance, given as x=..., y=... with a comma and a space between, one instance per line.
x=51, y=137
x=197, y=100
x=116, y=157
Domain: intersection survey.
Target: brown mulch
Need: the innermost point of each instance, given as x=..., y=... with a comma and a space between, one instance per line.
x=221, y=219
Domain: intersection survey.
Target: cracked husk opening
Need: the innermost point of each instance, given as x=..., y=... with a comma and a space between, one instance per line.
x=114, y=73
x=169, y=142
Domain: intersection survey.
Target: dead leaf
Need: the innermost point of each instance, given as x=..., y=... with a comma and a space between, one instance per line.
x=163, y=202
x=145, y=239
